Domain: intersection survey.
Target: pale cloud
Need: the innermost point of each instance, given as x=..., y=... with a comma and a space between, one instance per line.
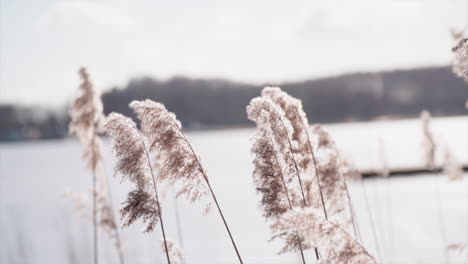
x=102, y=14
x=260, y=41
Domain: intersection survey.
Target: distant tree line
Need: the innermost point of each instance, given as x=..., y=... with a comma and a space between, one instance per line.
x=30, y=122
x=362, y=96
x=211, y=103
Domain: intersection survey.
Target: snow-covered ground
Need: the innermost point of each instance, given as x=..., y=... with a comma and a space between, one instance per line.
x=37, y=224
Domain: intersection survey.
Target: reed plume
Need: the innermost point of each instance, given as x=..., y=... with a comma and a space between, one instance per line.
x=270, y=182
x=271, y=121
x=334, y=171
x=341, y=170
x=180, y=165
x=176, y=254
x=134, y=164
x=293, y=111
x=104, y=213
x=268, y=177
x=460, y=60
x=430, y=148
x=302, y=149
x=86, y=116
x=276, y=172
x=336, y=245
x=451, y=167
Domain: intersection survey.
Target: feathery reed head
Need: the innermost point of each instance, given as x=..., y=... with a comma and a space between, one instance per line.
x=178, y=161
x=86, y=113
x=268, y=177
x=176, y=254
x=334, y=171
x=103, y=209
x=335, y=244
x=460, y=61
x=273, y=127
x=452, y=168
x=293, y=111
x=133, y=165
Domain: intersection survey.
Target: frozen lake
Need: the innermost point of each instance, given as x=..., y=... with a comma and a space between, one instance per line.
x=38, y=225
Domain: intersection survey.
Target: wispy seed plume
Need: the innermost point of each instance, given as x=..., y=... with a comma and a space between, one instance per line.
x=86, y=114
x=335, y=244
x=272, y=124
x=133, y=165
x=178, y=162
x=176, y=254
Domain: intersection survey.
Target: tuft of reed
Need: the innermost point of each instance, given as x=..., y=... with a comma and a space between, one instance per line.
x=334, y=171
x=176, y=254
x=460, y=56
x=336, y=245
x=450, y=166
x=328, y=175
x=273, y=179
x=302, y=149
x=134, y=164
x=284, y=161
x=180, y=165
x=430, y=148
x=86, y=116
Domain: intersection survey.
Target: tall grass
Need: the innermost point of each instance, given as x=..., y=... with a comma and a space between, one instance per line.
x=278, y=117
x=86, y=116
x=300, y=174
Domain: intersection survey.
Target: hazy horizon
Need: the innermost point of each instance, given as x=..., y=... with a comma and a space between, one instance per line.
x=42, y=44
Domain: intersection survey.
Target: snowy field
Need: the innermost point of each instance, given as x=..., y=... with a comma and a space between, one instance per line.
x=38, y=225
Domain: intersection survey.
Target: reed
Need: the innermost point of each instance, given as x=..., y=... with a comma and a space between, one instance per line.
x=336, y=245
x=86, y=117
x=180, y=165
x=175, y=253
x=303, y=149
x=269, y=176
x=335, y=172
x=134, y=164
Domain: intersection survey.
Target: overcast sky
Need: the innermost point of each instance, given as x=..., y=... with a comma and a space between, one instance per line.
x=43, y=42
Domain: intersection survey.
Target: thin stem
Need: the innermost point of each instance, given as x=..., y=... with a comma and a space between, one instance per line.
x=95, y=231
x=290, y=208
x=224, y=220
x=178, y=225
x=371, y=220
x=117, y=238
x=318, y=182
x=116, y=230
x=315, y=166
x=298, y=177
x=440, y=215
x=295, y=165
x=390, y=217
x=214, y=197
x=157, y=201
x=349, y=237
x=357, y=232
x=466, y=204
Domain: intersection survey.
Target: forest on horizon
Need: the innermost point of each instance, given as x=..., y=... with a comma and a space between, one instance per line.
x=217, y=103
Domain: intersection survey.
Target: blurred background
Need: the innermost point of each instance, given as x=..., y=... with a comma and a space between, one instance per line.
x=366, y=69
